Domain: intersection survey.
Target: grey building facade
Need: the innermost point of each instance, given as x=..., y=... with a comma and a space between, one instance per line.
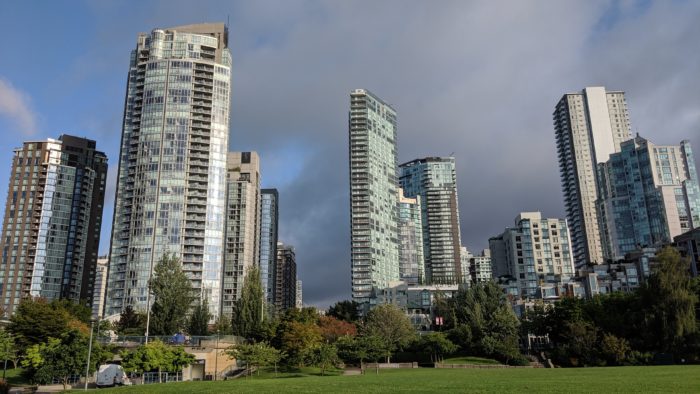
x=589, y=126
x=242, y=232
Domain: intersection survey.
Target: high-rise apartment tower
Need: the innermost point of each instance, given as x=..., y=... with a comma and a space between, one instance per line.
x=589, y=126
x=172, y=165
x=373, y=194
x=648, y=195
x=53, y=216
x=434, y=179
x=285, y=278
x=269, y=217
x=242, y=236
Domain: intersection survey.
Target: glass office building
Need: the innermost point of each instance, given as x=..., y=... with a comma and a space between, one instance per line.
x=172, y=165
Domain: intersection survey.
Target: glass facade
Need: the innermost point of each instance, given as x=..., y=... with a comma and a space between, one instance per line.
x=172, y=167
x=373, y=194
x=411, y=259
x=52, y=222
x=269, y=216
x=648, y=195
x=434, y=179
x=285, y=278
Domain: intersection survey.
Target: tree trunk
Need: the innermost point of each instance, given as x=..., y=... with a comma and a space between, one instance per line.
x=65, y=382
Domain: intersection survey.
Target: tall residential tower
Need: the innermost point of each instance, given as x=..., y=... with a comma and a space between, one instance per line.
x=589, y=127
x=269, y=218
x=53, y=216
x=242, y=235
x=373, y=194
x=172, y=165
x=434, y=179
x=648, y=195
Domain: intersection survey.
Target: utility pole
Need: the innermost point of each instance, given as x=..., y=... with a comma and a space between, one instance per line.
x=87, y=367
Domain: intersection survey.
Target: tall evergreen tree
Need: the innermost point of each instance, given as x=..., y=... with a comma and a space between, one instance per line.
x=672, y=301
x=172, y=297
x=198, y=323
x=248, y=312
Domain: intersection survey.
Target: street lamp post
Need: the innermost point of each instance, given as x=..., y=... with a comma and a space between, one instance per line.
x=87, y=367
x=216, y=360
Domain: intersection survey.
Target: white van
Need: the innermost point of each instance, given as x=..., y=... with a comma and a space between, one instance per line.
x=112, y=375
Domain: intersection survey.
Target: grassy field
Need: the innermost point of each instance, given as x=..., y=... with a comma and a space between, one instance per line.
x=666, y=379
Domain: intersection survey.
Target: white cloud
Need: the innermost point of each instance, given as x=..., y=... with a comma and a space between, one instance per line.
x=15, y=105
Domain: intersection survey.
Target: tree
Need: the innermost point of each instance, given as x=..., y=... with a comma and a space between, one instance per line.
x=488, y=321
x=172, y=297
x=36, y=320
x=222, y=326
x=8, y=350
x=614, y=350
x=391, y=324
x=198, y=323
x=332, y=328
x=325, y=356
x=131, y=322
x=345, y=310
x=361, y=348
x=256, y=355
x=156, y=356
x=298, y=341
x=672, y=301
x=248, y=311
x=438, y=345
x=578, y=345
x=58, y=358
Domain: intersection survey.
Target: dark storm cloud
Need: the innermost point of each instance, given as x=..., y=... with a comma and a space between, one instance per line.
x=479, y=80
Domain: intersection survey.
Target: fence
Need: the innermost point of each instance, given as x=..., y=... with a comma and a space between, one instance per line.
x=152, y=377
x=479, y=366
x=390, y=365
x=194, y=341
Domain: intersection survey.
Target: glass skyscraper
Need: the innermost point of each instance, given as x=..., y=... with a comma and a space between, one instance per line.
x=53, y=215
x=648, y=195
x=589, y=126
x=373, y=194
x=172, y=165
x=269, y=217
x=434, y=179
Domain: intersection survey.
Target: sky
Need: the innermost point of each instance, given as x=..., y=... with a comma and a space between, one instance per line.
x=475, y=79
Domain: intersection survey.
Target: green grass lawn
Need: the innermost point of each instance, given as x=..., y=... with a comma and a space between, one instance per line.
x=662, y=379
x=470, y=360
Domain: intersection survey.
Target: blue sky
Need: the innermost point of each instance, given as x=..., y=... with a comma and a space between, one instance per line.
x=477, y=78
